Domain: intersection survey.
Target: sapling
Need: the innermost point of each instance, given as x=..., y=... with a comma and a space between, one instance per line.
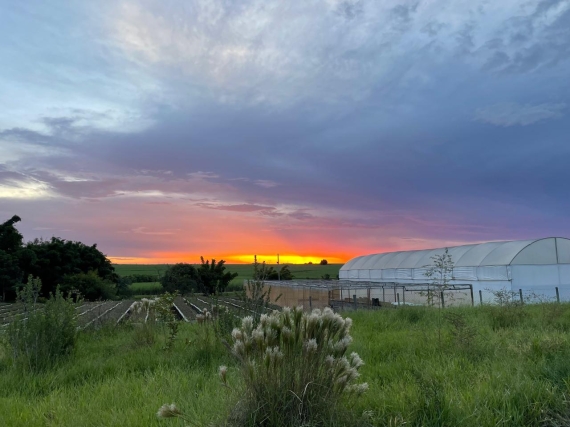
x=440, y=274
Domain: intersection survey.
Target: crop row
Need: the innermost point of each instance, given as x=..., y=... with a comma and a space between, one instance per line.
x=88, y=314
x=93, y=314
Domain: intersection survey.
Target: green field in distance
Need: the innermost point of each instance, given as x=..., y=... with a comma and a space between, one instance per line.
x=300, y=271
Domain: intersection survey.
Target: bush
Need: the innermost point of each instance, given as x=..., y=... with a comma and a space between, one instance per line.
x=182, y=278
x=89, y=286
x=283, y=274
x=324, y=262
x=294, y=368
x=42, y=336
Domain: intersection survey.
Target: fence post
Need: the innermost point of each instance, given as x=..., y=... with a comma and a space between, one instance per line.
x=310, y=302
x=394, y=293
x=341, y=300
x=557, y=294
x=521, y=297
x=442, y=300
x=354, y=299
x=472, y=300
x=383, y=294
x=480, y=297
x=398, y=298
x=404, y=294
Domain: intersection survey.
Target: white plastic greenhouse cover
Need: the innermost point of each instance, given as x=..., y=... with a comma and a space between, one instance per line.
x=484, y=261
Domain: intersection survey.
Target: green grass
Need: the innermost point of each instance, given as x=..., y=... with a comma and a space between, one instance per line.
x=300, y=271
x=115, y=380
x=501, y=367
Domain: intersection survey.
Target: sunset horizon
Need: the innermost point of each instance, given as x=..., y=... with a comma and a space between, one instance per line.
x=320, y=130
x=232, y=259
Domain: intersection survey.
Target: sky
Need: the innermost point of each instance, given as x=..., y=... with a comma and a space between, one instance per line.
x=166, y=130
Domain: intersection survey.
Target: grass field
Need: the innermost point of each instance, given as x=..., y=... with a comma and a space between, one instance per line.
x=490, y=366
x=300, y=271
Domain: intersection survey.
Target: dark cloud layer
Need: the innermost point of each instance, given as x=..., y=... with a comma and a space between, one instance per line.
x=347, y=122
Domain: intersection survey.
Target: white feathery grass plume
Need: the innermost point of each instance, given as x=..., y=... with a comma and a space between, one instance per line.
x=168, y=411
x=355, y=360
x=311, y=345
x=237, y=334
x=223, y=371
x=247, y=324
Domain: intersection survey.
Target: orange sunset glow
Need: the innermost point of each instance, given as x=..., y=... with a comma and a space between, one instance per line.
x=232, y=259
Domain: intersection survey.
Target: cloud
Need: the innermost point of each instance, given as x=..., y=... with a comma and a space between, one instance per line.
x=143, y=230
x=265, y=183
x=324, y=124
x=29, y=189
x=237, y=208
x=511, y=114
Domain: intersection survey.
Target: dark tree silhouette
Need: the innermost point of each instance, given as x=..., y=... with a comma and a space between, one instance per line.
x=11, y=249
x=213, y=278
x=181, y=277
x=57, y=258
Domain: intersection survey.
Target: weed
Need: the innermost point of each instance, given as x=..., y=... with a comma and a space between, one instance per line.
x=45, y=333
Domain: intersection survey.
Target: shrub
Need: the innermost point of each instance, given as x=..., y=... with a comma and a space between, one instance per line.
x=41, y=336
x=182, y=278
x=283, y=274
x=90, y=286
x=324, y=262
x=294, y=368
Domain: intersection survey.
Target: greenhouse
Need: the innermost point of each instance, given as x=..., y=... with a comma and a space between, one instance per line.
x=538, y=269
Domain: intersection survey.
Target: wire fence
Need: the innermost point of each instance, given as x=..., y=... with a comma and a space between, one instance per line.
x=346, y=295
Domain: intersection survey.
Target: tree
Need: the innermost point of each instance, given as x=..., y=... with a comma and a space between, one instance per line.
x=49, y=260
x=10, y=250
x=57, y=258
x=440, y=274
x=10, y=237
x=213, y=278
x=10, y=273
x=324, y=262
x=181, y=277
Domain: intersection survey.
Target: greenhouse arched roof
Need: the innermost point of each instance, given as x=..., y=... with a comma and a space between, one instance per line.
x=551, y=250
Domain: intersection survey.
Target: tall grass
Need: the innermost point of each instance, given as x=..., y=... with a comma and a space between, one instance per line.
x=44, y=333
x=483, y=373
x=295, y=369
x=514, y=374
